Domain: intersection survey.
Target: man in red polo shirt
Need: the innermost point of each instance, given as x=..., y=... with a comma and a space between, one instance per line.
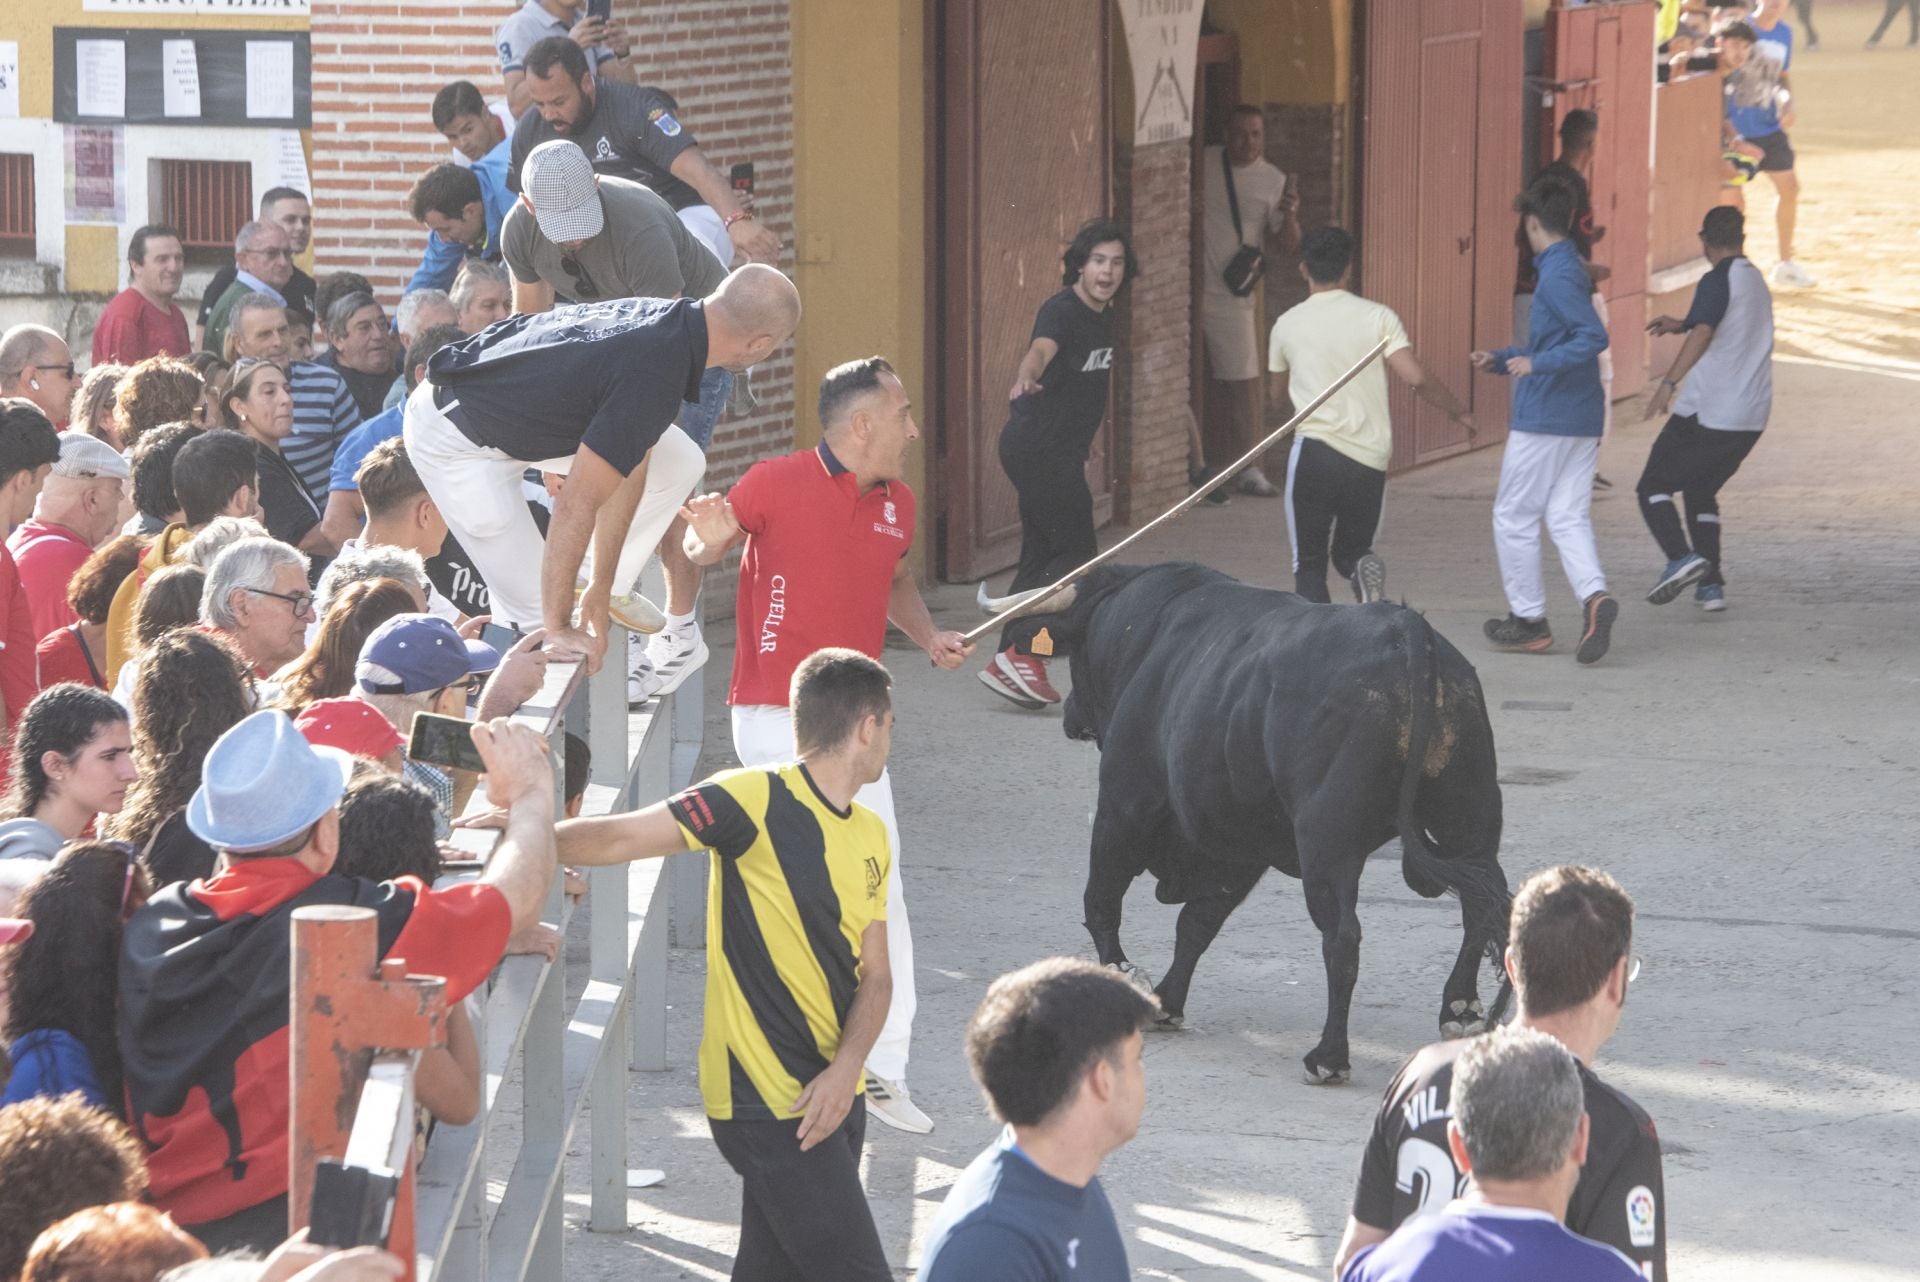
x=78, y=509
x=205, y=971
x=29, y=447
x=142, y=320
x=827, y=532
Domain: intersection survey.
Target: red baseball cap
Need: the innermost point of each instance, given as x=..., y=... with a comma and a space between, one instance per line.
x=14, y=929
x=351, y=725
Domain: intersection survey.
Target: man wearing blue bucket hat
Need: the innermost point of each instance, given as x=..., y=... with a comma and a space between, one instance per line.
x=205, y=970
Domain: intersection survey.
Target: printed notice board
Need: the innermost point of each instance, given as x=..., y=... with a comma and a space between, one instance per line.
x=154, y=76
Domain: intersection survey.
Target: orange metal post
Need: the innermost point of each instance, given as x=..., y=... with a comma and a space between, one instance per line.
x=347, y=1004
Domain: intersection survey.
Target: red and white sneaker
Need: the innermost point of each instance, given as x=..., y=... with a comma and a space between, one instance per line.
x=1001, y=684
x=1022, y=677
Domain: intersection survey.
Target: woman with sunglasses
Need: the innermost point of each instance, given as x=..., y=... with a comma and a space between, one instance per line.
x=259, y=405
x=72, y=762
x=61, y=981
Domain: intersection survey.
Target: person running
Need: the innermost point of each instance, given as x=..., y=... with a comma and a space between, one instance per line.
x=1055, y=1047
x=798, y=973
x=1057, y=403
x=1337, y=470
x=1754, y=58
x=1553, y=446
x=1570, y=958
x=591, y=391
x=827, y=532
x=1891, y=12
x=1726, y=366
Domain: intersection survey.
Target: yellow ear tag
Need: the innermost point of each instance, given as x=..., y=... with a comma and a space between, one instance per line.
x=1043, y=643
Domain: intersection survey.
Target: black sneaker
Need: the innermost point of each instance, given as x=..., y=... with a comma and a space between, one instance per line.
x=1369, y=579
x=1599, y=611
x=1199, y=476
x=1515, y=633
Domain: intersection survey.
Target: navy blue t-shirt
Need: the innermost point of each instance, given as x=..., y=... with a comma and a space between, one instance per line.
x=610, y=376
x=1470, y=1242
x=1008, y=1220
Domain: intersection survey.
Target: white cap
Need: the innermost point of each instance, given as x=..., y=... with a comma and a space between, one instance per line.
x=559, y=183
x=89, y=456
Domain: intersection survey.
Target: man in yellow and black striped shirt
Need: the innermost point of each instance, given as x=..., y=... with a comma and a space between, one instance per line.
x=797, y=973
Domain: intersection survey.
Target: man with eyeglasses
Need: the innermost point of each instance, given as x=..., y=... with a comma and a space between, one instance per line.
x=258, y=600
x=582, y=237
x=1570, y=956
x=324, y=410
x=36, y=366
x=262, y=264
x=287, y=209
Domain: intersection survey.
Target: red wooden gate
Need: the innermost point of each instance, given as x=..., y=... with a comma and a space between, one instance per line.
x=1600, y=57
x=1022, y=105
x=1439, y=168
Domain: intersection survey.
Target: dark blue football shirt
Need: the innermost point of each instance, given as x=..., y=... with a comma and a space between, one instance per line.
x=1008, y=1220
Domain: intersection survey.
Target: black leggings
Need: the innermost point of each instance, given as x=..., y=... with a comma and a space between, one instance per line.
x=1805, y=9
x=1696, y=461
x=1893, y=11
x=1056, y=519
x=1331, y=499
x=803, y=1216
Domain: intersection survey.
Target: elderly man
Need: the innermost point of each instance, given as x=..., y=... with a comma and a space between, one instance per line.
x=591, y=391
x=420, y=311
x=207, y=1076
x=324, y=409
x=78, y=509
x=258, y=599
x=262, y=264
x=35, y=365
x=637, y=135
x=482, y=294
x=1519, y=1131
x=143, y=320
x=360, y=350
x=287, y=209
x=461, y=210
x=344, y=512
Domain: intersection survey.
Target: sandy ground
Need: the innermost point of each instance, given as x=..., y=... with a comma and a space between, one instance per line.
x=1750, y=777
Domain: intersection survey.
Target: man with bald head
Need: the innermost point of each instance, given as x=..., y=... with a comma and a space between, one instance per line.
x=36, y=366
x=589, y=391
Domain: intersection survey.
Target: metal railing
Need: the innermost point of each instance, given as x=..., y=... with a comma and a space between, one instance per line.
x=568, y=1056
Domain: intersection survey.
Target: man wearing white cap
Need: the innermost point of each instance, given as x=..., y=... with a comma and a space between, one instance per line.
x=591, y=391
x=78, y=509
x=205, y=969
x=583, y=236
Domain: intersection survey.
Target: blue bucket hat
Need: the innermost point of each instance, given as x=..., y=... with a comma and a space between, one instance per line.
x=415, y=653
x=263, y=783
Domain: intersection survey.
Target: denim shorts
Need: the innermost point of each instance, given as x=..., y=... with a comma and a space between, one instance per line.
x=697, y=418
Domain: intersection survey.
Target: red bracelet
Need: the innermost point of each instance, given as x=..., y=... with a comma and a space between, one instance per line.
x=735, y=217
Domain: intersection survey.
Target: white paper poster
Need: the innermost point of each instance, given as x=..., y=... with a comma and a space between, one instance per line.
x=269, y=79
x=289, y=162
x=100, y=78
x=93, y=190
x=224, y=8
x=1163, y=43
x=180, y=79
x=9, y=79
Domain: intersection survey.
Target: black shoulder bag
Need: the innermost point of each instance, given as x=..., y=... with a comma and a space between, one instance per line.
x=1243, y=270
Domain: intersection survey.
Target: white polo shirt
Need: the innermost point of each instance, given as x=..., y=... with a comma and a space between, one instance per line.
x=1730, y=388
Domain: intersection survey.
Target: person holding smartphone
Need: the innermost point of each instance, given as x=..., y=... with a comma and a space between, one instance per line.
x=588, y=28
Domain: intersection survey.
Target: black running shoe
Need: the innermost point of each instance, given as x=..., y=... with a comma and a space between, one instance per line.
x=1532, y=636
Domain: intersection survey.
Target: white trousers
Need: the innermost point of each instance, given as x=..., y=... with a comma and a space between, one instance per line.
x=1546, y=479
x=477, y=489
x=710, y=229
x=763, y=736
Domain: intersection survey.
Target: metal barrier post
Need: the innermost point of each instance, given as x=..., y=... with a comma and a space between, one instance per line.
x=609, y=952
x=346, y=1004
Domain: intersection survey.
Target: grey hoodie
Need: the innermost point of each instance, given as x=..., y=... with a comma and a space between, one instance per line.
x=29, y=839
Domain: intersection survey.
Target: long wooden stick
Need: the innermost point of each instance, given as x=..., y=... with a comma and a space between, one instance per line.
x=1026, y=604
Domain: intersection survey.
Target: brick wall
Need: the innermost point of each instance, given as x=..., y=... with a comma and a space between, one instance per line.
x=378, y=63
x=1308, y=141
x=1153, y=355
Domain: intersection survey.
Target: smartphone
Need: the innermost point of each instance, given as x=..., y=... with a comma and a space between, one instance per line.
x=499, y=637
x=601, y=9
x=743, y=177
x=444, y=741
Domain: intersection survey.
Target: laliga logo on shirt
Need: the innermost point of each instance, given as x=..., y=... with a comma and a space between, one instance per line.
x=1640, y=1225
x=604, y=151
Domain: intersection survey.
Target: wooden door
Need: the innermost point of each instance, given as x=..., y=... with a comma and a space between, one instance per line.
x=1440, y=164
x=1025, y=159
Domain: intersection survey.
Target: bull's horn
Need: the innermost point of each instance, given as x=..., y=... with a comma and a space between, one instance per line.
x=1061, y=600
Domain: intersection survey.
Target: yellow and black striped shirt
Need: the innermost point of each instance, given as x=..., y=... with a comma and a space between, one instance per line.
x=795, y=882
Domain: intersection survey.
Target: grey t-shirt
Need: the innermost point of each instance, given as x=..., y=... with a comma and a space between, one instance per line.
x=644, y=251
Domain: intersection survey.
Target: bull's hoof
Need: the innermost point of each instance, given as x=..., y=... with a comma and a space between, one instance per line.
x=1136, y=975
x=1168, y=1024
x=1463, y=1018
x=1323, y=1073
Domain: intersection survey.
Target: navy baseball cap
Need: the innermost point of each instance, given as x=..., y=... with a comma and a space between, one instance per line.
x=416, y=653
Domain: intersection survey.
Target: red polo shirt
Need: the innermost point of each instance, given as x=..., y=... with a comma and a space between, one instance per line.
x=818, y=567
x=48, y=556
x=132, y=329
x=19, y=669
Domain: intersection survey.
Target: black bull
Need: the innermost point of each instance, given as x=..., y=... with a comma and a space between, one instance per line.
x=1242, y=728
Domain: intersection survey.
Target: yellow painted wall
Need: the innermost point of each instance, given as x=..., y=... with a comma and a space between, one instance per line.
x=859, y=206
x=1297, y=51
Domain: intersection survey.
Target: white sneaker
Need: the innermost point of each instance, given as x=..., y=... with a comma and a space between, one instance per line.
x=671, y=656
x=640, y=675
x=1792, y=275
x=1253, y=481
x=889, y=1102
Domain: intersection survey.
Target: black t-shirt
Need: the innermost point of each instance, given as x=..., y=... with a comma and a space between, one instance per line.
x=298, y=293
x=369, y=391
x=634, y=132
x=453, y=572
x=611, y=376
x=284, y=502
x=1408, y=1169
x=1066, y=412
x=177, y=855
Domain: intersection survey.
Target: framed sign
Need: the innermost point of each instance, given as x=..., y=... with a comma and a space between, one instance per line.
x=156, y=76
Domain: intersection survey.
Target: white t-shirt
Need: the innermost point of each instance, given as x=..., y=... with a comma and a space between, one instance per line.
x=1259, y=187
x=1314, y=343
